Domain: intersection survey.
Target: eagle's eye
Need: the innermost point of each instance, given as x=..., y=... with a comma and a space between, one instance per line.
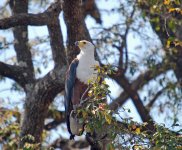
x=84, y=42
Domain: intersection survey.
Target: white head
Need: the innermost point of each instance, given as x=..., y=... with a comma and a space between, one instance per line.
x=85, y=46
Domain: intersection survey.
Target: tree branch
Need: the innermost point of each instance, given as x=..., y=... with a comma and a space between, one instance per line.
x=143, y=112
x=138, y=83
x=13, y=72
x=128, y=24
x=20, y=17
x=58, y=116
x=90, y=8
x=56, y=42
x=42, y=92
x=152, y=101
x=24, y=19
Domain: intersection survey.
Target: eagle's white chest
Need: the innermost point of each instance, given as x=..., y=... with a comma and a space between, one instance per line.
x=85, y=69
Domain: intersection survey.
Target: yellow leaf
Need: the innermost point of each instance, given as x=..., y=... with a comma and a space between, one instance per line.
x=168, y=43
x=103, y=82
x=97, y=66
x=108, y=118
x=178, y=10
x=98, y=78
x=103, y=71
x=137, y=130
x=171, y=10
x=98, y=70
x=167, y=2
x=177, y=43
x=137, y=147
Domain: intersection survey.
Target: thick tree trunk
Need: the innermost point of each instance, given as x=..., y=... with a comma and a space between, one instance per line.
x=42, y=92
x=36, y=107
x=37, y=102
x=76, y=27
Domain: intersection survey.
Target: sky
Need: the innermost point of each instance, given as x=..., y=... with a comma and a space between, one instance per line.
x=108, y=20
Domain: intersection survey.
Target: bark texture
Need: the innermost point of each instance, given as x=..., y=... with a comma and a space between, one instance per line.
x=37, y=102
x=76, y=27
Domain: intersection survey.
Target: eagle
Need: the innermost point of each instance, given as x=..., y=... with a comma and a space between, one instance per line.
x=79, y=72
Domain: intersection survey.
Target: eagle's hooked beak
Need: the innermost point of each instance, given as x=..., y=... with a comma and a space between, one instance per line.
x=80, y=44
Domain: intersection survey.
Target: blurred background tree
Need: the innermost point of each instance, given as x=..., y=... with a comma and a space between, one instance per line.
x=142, y=39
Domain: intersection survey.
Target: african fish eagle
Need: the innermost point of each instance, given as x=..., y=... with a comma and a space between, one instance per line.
x=79, y=72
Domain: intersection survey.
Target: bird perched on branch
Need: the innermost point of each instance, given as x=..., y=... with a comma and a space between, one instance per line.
x=79, y=72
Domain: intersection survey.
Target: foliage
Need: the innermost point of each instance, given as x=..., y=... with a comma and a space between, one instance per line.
x=10, y=131
x=10, y=128
x=98, y=119
x=94, y=110
x=168, y=12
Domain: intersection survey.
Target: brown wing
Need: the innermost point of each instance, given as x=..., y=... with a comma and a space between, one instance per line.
x=78, y=90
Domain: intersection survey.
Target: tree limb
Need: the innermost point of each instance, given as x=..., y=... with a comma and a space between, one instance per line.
x=21, y=38
x=41, y=93
x=56, y=42
x=90, y=8
x=13, y=72
x=128, y=24
x=24, y=19
x=152, y=101
x=58, y=116
x=138, y=83
x=143, y=112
